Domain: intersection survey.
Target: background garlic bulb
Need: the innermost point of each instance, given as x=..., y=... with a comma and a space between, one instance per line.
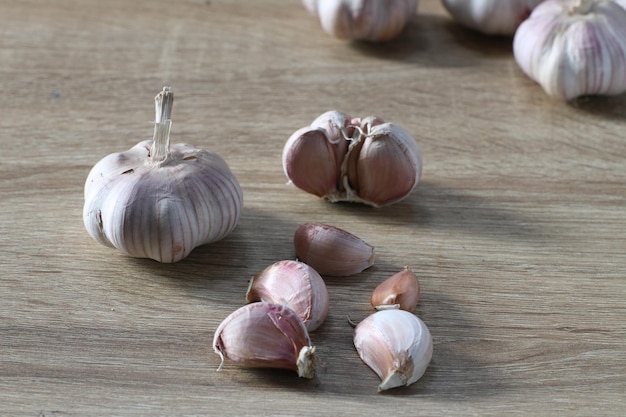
x=371, y=20
x=574, y=47
x=159, y=201
x=491, y=17
x=396, y=344
x=340, y=158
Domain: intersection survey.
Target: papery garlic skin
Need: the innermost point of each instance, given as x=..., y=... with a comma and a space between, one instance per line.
x=396, y=345
x=340, y=158
x=574, y=48
x=332, y=251
x=296, y=285
x=401, y=290
x=266, y=335
x=159, y=201
x=368, y=20
x=491, y=17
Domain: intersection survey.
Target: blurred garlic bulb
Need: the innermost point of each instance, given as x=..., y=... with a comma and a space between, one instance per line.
x=266, y=335
x=340, y=158
x=396, y=344
x=370, y=20
x=491, y=17
x=331, y=250
x=159, y=201
x=401, y=290
x=574, y=47
x=296, y=285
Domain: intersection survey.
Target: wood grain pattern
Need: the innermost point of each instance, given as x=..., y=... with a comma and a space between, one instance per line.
x=516, y=231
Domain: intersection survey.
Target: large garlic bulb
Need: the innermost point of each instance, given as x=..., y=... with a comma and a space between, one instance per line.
x=574, y=47
x=369, y=20
x=491, y=17
x=159, y=201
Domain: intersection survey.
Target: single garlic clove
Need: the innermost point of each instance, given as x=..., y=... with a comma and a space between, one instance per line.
x=296, y=285
x=491, y=17
x=304, y=171
x=574, y=48
x=266, y=335
x=401, y=290
x=396, y=345
x=160, y=201
x=380, y=182
x=331, y=250
x=369, y=20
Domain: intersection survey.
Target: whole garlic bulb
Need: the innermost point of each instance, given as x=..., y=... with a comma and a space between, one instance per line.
x=340, y=158
x=296, y=285
x=396, y=344
x=369, y=20
x=574, y=47
x=266, y=335
x=491, y=17
x=159, y=201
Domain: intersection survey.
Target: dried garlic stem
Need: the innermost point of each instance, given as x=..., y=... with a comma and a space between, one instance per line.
x=160, y=149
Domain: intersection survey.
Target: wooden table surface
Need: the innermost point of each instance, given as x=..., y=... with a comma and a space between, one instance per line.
x=516, y=230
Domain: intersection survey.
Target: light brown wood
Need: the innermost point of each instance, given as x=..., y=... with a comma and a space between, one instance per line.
x=517, y=230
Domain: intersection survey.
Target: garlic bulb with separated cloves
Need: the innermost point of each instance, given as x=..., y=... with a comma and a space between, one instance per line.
x=396, y=344
x=491, y=17
x=368, y=20
x=574, y=48
x=266, y=335
x=296, y=285
x=340, y=158
x=159, y=201
x=331, y=250
x=401, y=290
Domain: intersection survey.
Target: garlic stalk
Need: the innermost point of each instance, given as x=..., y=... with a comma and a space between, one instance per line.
x=331, y=250
x=491, y=17
x=574, y=48
x=396, y=345
x=340, y=158
x=296, y=285
x=158, y=200
x=266, y=335
x=369, y=20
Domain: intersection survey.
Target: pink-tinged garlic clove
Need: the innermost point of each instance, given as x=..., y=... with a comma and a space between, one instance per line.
x=396, y=345
x=266, y=335
x=331, y=250
x=296, y=285
x=401, y=290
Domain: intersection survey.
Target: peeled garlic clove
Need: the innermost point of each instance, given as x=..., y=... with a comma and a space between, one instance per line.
x=370, y=20
x=401, y=290
x=374, y=162
x=266, y=335
x=296, y=285
x=574, y=47
x=491, y=17
x=396, y=344
x=332, y=251
x=159, y=201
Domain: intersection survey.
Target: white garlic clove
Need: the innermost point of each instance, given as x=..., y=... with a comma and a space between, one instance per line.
x=396, y=345
x=159, y=201
x=266, y=335
x=574, y=48
x=369, y=20
x=340, y=158
x=491, y=17
x=331, y=250
x=401, y=290
x=296, y=285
